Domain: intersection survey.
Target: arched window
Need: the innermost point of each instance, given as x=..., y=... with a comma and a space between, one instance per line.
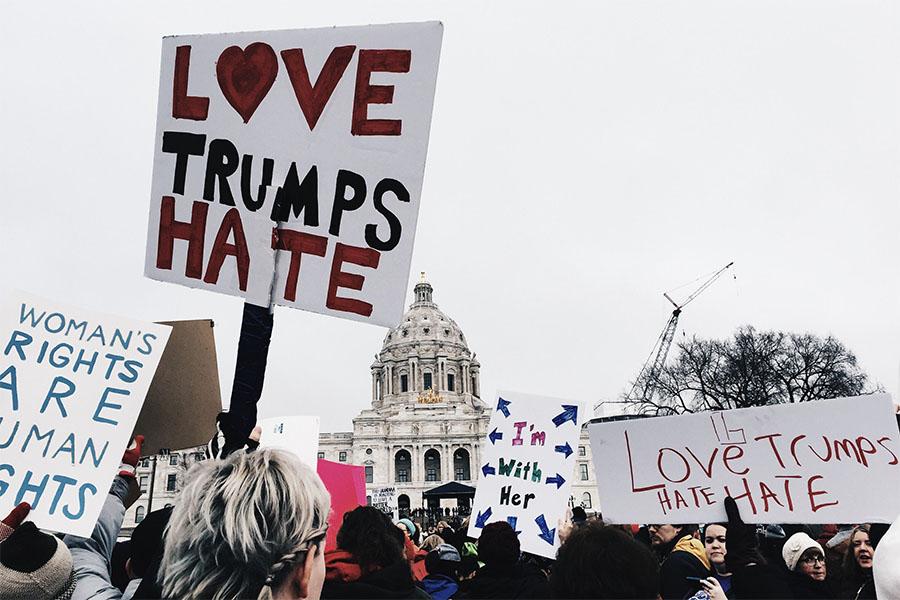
x=404, y=383
x=426, y=380
x=451, y=382
x=403, y=505
x=432, y=465
x=586, y=500
x=402, y=466
x=461, y=465
x=139, y=514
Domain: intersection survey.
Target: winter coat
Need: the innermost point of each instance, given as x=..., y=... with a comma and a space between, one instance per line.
x=440, y=587
x=803, y=587
x=517, y=581
x=344, y=579
x=687, y=559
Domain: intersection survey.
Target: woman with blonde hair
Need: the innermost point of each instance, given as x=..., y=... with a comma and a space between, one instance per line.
x=250, y=526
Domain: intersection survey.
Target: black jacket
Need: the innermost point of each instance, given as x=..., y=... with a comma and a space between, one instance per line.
x=395, y=581
x=518, y=581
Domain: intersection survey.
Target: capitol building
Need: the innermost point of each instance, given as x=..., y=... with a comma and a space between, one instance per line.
x=422, y=433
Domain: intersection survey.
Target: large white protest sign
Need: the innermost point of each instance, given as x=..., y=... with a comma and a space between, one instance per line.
x=288, y=165
x=72, y=383
x=297, y=434
x=832, y=461
x=527, y=458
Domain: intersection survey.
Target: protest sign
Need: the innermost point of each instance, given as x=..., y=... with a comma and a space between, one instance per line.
x=296, y=434
x=347, y=486
x=830, y=461
x=72, y=383
x=288, y=165
x=186, y=382
x=385, y=499
x=528, y=458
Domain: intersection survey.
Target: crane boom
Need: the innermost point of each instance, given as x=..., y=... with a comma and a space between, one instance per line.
x=649, y=374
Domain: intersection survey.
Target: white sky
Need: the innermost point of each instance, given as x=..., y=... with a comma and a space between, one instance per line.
x=584, y=158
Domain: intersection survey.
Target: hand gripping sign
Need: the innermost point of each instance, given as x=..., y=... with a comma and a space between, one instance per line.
x=288, y=165
x=72, y=383
x=830, y=461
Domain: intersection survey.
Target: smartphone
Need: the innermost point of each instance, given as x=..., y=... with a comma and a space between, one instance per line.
x=695, y=579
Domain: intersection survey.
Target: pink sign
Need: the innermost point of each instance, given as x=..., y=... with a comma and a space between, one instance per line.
x=347, y=486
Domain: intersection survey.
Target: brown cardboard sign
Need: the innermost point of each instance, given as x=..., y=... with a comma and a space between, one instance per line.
x=184, y=398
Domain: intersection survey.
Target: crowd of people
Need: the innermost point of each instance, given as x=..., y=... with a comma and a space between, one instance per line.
x=253, y=525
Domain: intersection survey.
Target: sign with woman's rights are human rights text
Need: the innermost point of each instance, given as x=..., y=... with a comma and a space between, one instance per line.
x=72, y=383
x=288, y=165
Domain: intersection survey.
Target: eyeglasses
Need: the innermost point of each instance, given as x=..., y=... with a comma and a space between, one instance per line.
x=811, y=560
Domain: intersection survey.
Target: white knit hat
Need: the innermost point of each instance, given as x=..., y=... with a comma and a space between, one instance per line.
x=795, y=546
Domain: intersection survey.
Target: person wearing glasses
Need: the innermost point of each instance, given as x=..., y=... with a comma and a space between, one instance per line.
x=805, y=559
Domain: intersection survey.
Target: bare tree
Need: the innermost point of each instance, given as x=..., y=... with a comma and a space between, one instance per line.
x=752, y=369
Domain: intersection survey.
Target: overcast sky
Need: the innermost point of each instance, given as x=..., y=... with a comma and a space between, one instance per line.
x=584, y=158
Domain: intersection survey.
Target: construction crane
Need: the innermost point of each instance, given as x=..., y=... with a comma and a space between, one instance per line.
x=649, y=374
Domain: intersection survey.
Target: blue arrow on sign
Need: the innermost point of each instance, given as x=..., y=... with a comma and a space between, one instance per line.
x=569, y=413
x=566, y=449
x=482, y=518
x=494, y=436
x=503, y=406
x=488, y=470
x=512, y=523
x=558, y=480
x=546, y=534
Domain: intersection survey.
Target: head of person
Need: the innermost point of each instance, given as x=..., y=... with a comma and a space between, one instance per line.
x=714, y=542
x=602, y=561
x=804, y=555
x=408, y=527
x=498, y=545
x=35, y=565
x=579, y=517
x=443, y=560
x=250, y=526
x=147, y=542
x=371, y=537
x=859, y=555
x=432, y=542
x=661, y=535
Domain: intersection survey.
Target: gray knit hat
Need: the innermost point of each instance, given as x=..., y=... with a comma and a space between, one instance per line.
x=35, y=565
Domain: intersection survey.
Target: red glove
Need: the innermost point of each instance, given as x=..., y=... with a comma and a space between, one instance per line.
x=13, y=520
x=131, y=457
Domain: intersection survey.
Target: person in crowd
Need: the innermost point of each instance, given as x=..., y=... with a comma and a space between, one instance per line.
x=369, y=561
x=432, y=542
x=442, y=564
x=857, y=582
x=717, y=585
x=685, y=562
x=805, y=559
x=33, y=565
x=250, y=526
x=664, y=538
x=601, y=561
x=886, y=563
x=503, y=576
x=579, y=517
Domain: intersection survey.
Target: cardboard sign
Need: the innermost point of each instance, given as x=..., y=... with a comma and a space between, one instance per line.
x=831, y=461
x=385, y=499
x=528, y=456
x=296, y=434
x=288, y=165
x=347, y=486
x=186, y=383
x=72, y=383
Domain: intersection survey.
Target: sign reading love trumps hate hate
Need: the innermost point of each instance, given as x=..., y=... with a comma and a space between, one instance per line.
x=288, y=165
x=72, y=383
x=830, y=461
x=527, y=462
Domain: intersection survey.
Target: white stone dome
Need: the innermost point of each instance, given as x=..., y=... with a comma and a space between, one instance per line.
x=424, y=324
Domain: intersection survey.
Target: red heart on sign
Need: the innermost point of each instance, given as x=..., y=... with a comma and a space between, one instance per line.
x=246, y=76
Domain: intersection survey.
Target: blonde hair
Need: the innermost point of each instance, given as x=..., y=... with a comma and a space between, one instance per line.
x=241, y=524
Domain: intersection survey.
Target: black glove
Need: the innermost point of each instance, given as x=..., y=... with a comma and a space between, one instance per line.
x=743, y=546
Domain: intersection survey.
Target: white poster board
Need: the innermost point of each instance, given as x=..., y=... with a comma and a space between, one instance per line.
x=527, y=459
x=72, y=383
x=385, y=499
x=288, y=165
x=297, y=434
x=830, y=461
